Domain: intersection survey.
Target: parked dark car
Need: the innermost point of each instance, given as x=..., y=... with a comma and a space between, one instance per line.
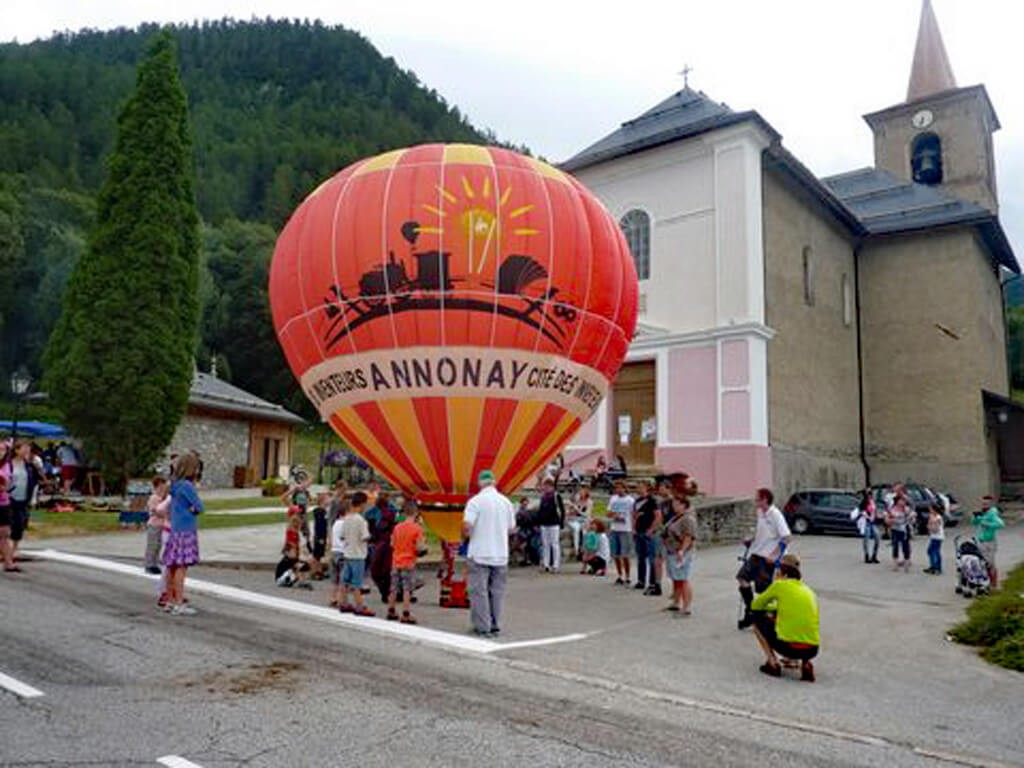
x=825, y=509
x=922, y=498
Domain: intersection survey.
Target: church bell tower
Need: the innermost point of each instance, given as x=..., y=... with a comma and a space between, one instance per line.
x=942, y=134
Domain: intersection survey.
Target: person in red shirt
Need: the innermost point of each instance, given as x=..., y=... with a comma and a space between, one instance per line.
x=407, y=543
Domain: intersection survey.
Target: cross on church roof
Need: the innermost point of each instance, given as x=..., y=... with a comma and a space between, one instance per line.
x=685, y=72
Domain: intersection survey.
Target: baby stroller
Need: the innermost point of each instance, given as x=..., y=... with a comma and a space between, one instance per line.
x=971, y=568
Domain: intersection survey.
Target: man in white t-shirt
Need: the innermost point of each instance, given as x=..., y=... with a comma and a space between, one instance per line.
x=487, y=522
x=620, y=510
x=770, y=540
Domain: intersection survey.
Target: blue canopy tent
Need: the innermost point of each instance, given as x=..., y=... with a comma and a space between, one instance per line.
x=34, y=429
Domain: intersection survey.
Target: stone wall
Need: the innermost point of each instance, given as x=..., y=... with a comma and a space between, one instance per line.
x=795, y=470
x=724, y=521
x=932, y=329
x=813, y=386
x=222, y=443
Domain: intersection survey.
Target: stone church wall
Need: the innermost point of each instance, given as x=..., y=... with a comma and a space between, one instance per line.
x=813, y=407
x=933, y=339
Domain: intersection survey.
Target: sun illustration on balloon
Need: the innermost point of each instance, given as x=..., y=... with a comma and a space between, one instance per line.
x=482, y=222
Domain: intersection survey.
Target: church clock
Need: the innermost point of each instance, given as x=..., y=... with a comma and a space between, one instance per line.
x=922, y=118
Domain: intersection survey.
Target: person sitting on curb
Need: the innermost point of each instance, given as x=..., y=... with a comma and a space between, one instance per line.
x=793, y=632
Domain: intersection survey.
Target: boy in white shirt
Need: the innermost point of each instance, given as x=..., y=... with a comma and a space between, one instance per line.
x=620, y=510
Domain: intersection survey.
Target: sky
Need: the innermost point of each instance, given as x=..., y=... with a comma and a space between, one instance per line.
x=557, y=76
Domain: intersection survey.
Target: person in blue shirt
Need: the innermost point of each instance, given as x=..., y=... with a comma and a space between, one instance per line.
x=182, y=549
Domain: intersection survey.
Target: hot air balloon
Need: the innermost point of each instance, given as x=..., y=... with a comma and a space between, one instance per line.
x=453, y=308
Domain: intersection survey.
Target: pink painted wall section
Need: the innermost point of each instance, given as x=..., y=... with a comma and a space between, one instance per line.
x=693, y=395
x=735, y=364
x=589, y=434
x=725, y=470
x=736, y=416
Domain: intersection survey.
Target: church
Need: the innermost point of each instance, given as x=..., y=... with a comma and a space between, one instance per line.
x=797, y=331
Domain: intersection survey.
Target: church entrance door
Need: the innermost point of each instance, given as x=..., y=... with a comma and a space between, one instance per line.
x=635, y=407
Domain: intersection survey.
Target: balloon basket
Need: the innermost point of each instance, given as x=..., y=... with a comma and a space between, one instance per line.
x=454, y=592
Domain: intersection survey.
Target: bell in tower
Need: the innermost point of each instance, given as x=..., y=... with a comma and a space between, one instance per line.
x=926, y=159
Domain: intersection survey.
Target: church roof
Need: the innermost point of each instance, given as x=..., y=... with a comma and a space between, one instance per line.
x=218, y=395
x=684, y=114
x=931, y=71
x=885, y=204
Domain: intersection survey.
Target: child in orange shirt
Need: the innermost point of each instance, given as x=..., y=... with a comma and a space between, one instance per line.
x=407, y=543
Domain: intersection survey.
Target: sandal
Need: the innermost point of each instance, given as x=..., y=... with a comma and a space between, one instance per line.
x=408, y=619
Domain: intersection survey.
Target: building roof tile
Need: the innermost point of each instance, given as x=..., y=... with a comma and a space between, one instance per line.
x=218, y=395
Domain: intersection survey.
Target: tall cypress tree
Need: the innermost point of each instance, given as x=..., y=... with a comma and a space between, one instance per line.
x=120, y=361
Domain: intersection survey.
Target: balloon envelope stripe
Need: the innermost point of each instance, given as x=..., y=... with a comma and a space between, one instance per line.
x=432, y=415
x=526, y=415
x=375, y=420
x=464, y=417
x=376, y=453
x=401, y=415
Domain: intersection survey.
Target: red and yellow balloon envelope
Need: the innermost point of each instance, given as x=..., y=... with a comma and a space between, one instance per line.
x=453, y=308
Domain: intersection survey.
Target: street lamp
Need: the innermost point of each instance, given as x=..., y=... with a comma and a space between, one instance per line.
x=20, y=382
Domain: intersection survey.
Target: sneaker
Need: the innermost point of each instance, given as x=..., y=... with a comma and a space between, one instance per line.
x=639, y=585
x=346, y=608
x=153, y=570
x=183, y=610
x=772, y=670
x=407, y=618
x=619, y=582
x=807, y=672
x=495, y=631
x=392, y=615
x=653, y=591
x=672, y=607
x=928, y=570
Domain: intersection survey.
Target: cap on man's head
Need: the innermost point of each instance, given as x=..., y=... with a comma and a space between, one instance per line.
x=791, y=559
x=486, y=477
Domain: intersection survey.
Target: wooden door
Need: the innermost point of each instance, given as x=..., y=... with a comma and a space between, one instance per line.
x=635, y=414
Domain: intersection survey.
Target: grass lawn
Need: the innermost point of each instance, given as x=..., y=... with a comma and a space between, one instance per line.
x=46, y=524
x=254, y=502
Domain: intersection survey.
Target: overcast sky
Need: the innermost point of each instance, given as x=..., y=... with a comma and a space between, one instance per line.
x=557, y=76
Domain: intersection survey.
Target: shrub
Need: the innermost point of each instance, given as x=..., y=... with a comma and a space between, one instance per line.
x=996, y=623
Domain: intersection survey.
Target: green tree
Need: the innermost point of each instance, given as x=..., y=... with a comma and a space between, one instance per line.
x=1015, y=344
x=119, y=363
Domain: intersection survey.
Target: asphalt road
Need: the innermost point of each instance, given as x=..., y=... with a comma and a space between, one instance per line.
x=242, y=685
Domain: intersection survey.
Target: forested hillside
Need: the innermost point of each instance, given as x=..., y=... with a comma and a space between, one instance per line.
x=275, y=106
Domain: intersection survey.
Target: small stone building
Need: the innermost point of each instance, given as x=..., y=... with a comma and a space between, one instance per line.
x=241, y=438
x=797, y=331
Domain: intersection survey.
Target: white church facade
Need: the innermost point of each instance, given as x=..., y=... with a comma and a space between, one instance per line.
x=770, y=309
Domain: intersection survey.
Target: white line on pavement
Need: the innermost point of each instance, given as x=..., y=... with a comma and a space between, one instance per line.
x=175, y=761
x=542, y=641
x=19, y=688
x=413, y=633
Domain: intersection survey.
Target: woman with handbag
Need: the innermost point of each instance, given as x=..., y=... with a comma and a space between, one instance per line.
x=182, y=549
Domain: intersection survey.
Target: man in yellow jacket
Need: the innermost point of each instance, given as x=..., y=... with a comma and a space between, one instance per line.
x=786, y=621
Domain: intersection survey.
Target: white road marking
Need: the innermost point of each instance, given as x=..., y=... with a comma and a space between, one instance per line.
x=542, y=641
x=19, y=688
x=176, y=761
x=411, y=632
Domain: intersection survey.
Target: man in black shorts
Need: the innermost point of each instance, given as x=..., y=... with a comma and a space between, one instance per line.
x=770, y=539
x=786, y=621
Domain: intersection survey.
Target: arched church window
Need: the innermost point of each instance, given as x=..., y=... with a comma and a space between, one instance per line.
x=926, y=159
x=636, y=226
x=808, y=268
